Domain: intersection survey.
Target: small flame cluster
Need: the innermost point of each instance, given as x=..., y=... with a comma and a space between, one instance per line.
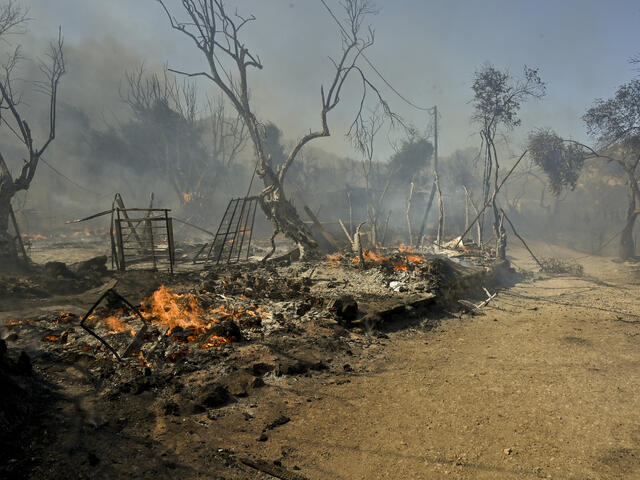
x=32, y=237
x=407, y=260
x=186, y=320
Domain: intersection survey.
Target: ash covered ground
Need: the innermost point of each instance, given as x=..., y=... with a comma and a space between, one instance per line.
x=113, y=355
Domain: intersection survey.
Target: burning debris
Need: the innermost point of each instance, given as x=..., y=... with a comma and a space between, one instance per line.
x=245, y=302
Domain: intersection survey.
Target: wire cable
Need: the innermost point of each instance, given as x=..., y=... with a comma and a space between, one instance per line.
x=386, y=82
x=72, y=182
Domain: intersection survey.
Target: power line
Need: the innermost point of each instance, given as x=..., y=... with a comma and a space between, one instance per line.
x=72, y=182
x=386, y=82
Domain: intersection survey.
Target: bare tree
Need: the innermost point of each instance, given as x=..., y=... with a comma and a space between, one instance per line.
x=12, y=17
x=218, y=35
x=167, y=116
x=364, y=141
x=497, y=99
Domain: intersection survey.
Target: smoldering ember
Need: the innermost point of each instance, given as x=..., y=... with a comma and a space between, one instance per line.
x=319, y=240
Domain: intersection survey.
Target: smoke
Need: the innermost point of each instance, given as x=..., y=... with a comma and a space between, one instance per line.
x=428, y=51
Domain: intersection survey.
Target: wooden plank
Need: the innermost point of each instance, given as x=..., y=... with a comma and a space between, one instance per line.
x=327, y=236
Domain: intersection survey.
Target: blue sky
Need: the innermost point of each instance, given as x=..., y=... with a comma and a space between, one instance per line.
x=429, y=51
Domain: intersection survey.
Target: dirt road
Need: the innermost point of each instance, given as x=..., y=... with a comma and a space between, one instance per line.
x=537, y=389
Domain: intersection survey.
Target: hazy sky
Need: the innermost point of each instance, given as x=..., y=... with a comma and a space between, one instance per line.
x=427, y=49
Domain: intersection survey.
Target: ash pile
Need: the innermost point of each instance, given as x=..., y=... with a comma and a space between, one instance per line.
x=265, y=319
x=198, y=344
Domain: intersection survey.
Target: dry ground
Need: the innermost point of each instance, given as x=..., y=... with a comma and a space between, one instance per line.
x=534, y=390
x=544, y=386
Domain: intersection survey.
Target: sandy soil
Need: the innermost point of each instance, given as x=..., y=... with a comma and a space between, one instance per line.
x=544, y=385
x=541, y=388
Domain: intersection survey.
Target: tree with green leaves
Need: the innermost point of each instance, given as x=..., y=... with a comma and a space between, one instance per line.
x=498, y=96
x=615, y=125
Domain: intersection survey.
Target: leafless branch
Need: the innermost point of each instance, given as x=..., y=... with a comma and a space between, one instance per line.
x=52, y=69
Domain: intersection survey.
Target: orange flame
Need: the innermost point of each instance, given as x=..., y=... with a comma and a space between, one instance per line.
x=370, y=255
x=118, y=325
x=34, y=236
x=215, y=341
x=335, y=259
x=414, y=258
x=66, y=317
x=175, y=310
x=52, y=338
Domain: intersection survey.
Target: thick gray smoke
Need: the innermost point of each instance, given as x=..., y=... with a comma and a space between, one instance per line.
x=427, y=50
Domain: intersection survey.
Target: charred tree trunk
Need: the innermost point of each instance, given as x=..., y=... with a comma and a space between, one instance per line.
x=498, y=220
x=14, y=121
x=276, y=206
x=8, y=252
x=281, y=212
x=217, y=32
x=627, y=245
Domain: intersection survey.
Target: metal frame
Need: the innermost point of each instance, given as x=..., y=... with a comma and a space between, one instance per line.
x=115, y=295
x=146, y=246
x=234, y=229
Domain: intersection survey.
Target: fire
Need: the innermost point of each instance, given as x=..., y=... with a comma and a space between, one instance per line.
x=118, y=325
x=370, y=255
x=34, y=236
x=335, y=259
x=224, y=311
x=66, y=317
x=187, y=197
x=186, y=319
x=373, y=256
x=400, y=266
x=172, y=309
x=404, y=264
x=176, y=310
x=52, y=338
x=414, y=258
x=215, y=341
x=13, y=323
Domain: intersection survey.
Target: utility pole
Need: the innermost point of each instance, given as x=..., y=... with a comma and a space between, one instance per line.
x=435, y=167
x=435, y=137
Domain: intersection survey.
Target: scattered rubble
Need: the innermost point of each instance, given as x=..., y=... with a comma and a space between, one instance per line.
x=193, y=344
x=559, y=266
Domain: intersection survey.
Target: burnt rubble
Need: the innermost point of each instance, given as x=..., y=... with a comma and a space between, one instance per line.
x=191, y=344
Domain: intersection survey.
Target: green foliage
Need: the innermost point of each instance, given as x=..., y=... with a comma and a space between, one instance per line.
x=498, y=96
x=411, y=160
x=461, y=169
x=616, y=120
x=562, y=161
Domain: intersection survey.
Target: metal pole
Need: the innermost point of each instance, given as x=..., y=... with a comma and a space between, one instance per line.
x=435, y=167
x=435, y=137
x=170, y=244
